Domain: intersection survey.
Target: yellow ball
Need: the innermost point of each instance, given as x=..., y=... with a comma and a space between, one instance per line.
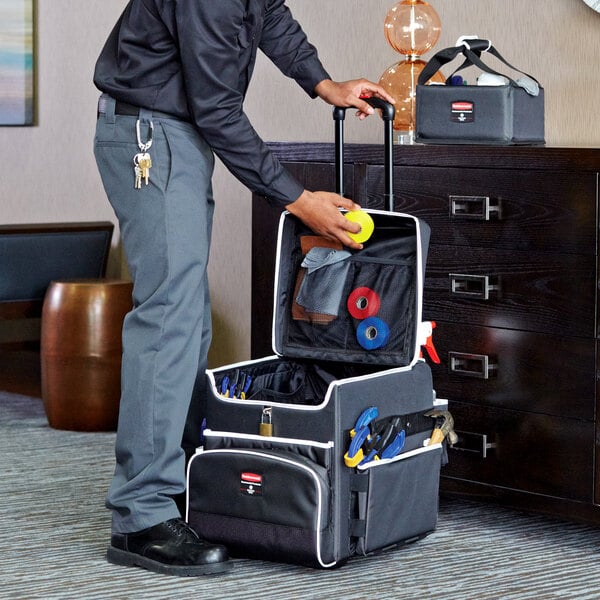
x=366, y=223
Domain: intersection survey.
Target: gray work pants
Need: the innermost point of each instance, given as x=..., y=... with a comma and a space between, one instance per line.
x=165, y=228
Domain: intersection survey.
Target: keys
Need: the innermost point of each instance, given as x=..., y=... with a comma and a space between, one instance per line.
x=142, y=163
x=145, y=163
x=138, y=177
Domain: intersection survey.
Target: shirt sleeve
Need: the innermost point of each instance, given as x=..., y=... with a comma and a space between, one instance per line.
x=284, y=42
x=216, y=39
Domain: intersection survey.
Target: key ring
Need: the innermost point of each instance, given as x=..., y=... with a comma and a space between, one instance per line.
x=144, y=147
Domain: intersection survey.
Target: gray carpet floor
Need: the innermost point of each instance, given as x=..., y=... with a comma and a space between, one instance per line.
x=54, y=530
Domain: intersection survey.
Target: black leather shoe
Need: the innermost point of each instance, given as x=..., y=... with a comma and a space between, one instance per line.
x=170, y=548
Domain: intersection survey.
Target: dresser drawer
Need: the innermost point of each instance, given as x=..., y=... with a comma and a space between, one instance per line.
x=523, y=451
x=504, y=368
x=533, y=291
x=496, y=208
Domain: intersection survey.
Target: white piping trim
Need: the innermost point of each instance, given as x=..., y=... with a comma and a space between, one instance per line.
x=386, y=461
x=256, y=437
x=276, y=280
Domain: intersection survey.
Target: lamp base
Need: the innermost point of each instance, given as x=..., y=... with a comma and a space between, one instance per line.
x=404, y=137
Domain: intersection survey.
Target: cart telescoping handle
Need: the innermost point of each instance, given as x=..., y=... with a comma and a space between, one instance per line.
x=387, y=114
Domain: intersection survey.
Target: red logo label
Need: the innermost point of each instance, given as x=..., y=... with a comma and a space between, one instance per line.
x=252, y=477
x=462, y=107
x=251, y=484
x=462, y=112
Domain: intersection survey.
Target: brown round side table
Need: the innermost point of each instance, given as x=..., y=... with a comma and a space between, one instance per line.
x=81, y=349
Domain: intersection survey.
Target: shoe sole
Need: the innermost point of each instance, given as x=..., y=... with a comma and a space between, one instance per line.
x=123, y=558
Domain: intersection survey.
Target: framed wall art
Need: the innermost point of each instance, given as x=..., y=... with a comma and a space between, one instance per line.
x=16, y=62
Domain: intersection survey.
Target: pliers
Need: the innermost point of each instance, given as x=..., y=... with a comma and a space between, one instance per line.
x=225, y=386
x=229, y=388
x=244, y=386
x=395, y=447
x=386, y=440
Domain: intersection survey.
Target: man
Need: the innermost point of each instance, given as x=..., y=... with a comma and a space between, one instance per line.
x=174, y=74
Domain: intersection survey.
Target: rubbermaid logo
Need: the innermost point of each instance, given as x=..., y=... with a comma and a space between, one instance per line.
x=252, y=477
x=462, y=112
x=251, y=484
x=462, y=107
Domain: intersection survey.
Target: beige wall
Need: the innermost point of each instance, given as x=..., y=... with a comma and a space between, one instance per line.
x=47, y=172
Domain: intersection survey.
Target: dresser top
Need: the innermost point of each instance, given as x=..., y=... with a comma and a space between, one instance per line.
x=505, y=157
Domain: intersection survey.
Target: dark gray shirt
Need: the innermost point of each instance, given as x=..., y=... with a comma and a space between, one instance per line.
x=194, y=59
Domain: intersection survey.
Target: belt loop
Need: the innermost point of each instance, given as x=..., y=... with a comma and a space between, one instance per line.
x=108, y=103
x=145, y=115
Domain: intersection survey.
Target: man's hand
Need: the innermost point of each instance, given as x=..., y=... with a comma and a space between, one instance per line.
x=348, y=93
x=320, y=212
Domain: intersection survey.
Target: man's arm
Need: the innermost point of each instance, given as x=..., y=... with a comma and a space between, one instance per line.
x=284, y=42
x=211, y=61
x=287, y=46
x=210, y=54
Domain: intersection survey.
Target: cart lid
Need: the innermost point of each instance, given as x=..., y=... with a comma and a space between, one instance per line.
x=335, y=304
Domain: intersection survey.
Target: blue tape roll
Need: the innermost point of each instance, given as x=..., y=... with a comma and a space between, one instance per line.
x=372, y=333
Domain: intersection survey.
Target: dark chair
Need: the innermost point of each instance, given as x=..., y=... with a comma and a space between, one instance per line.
x=31, y=256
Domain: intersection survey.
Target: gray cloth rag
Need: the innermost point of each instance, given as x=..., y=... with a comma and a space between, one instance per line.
x=322, y=287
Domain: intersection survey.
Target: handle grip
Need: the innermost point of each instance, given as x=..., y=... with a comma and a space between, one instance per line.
x=480, y=208
x=387, y=114
x=388, y=111
x=472, y=52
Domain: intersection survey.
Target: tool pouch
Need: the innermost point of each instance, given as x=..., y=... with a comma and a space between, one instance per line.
x=396, y=502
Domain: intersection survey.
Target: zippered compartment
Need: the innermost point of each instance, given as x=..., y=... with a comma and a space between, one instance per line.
x=316, y=452
x=397, y=499
x=264, y=503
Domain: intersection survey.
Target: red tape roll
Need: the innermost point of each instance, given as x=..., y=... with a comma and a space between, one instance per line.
x=363, y=302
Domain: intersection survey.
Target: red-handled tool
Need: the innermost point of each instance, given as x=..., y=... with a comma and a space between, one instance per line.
x=426, y=340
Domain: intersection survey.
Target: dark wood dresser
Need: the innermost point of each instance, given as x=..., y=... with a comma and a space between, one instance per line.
x=512, y=283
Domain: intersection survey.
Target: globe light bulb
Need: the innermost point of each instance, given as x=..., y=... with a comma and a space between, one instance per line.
x=412, y=27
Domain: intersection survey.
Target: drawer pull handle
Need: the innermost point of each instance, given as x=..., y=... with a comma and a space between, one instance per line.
x=473, y=286
x=471, y=365
x=476, y=443
x=478, y=208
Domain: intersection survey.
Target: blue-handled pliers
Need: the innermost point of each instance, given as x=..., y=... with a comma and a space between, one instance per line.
x=386, y=440
x=395, y=447
x=225, y=387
